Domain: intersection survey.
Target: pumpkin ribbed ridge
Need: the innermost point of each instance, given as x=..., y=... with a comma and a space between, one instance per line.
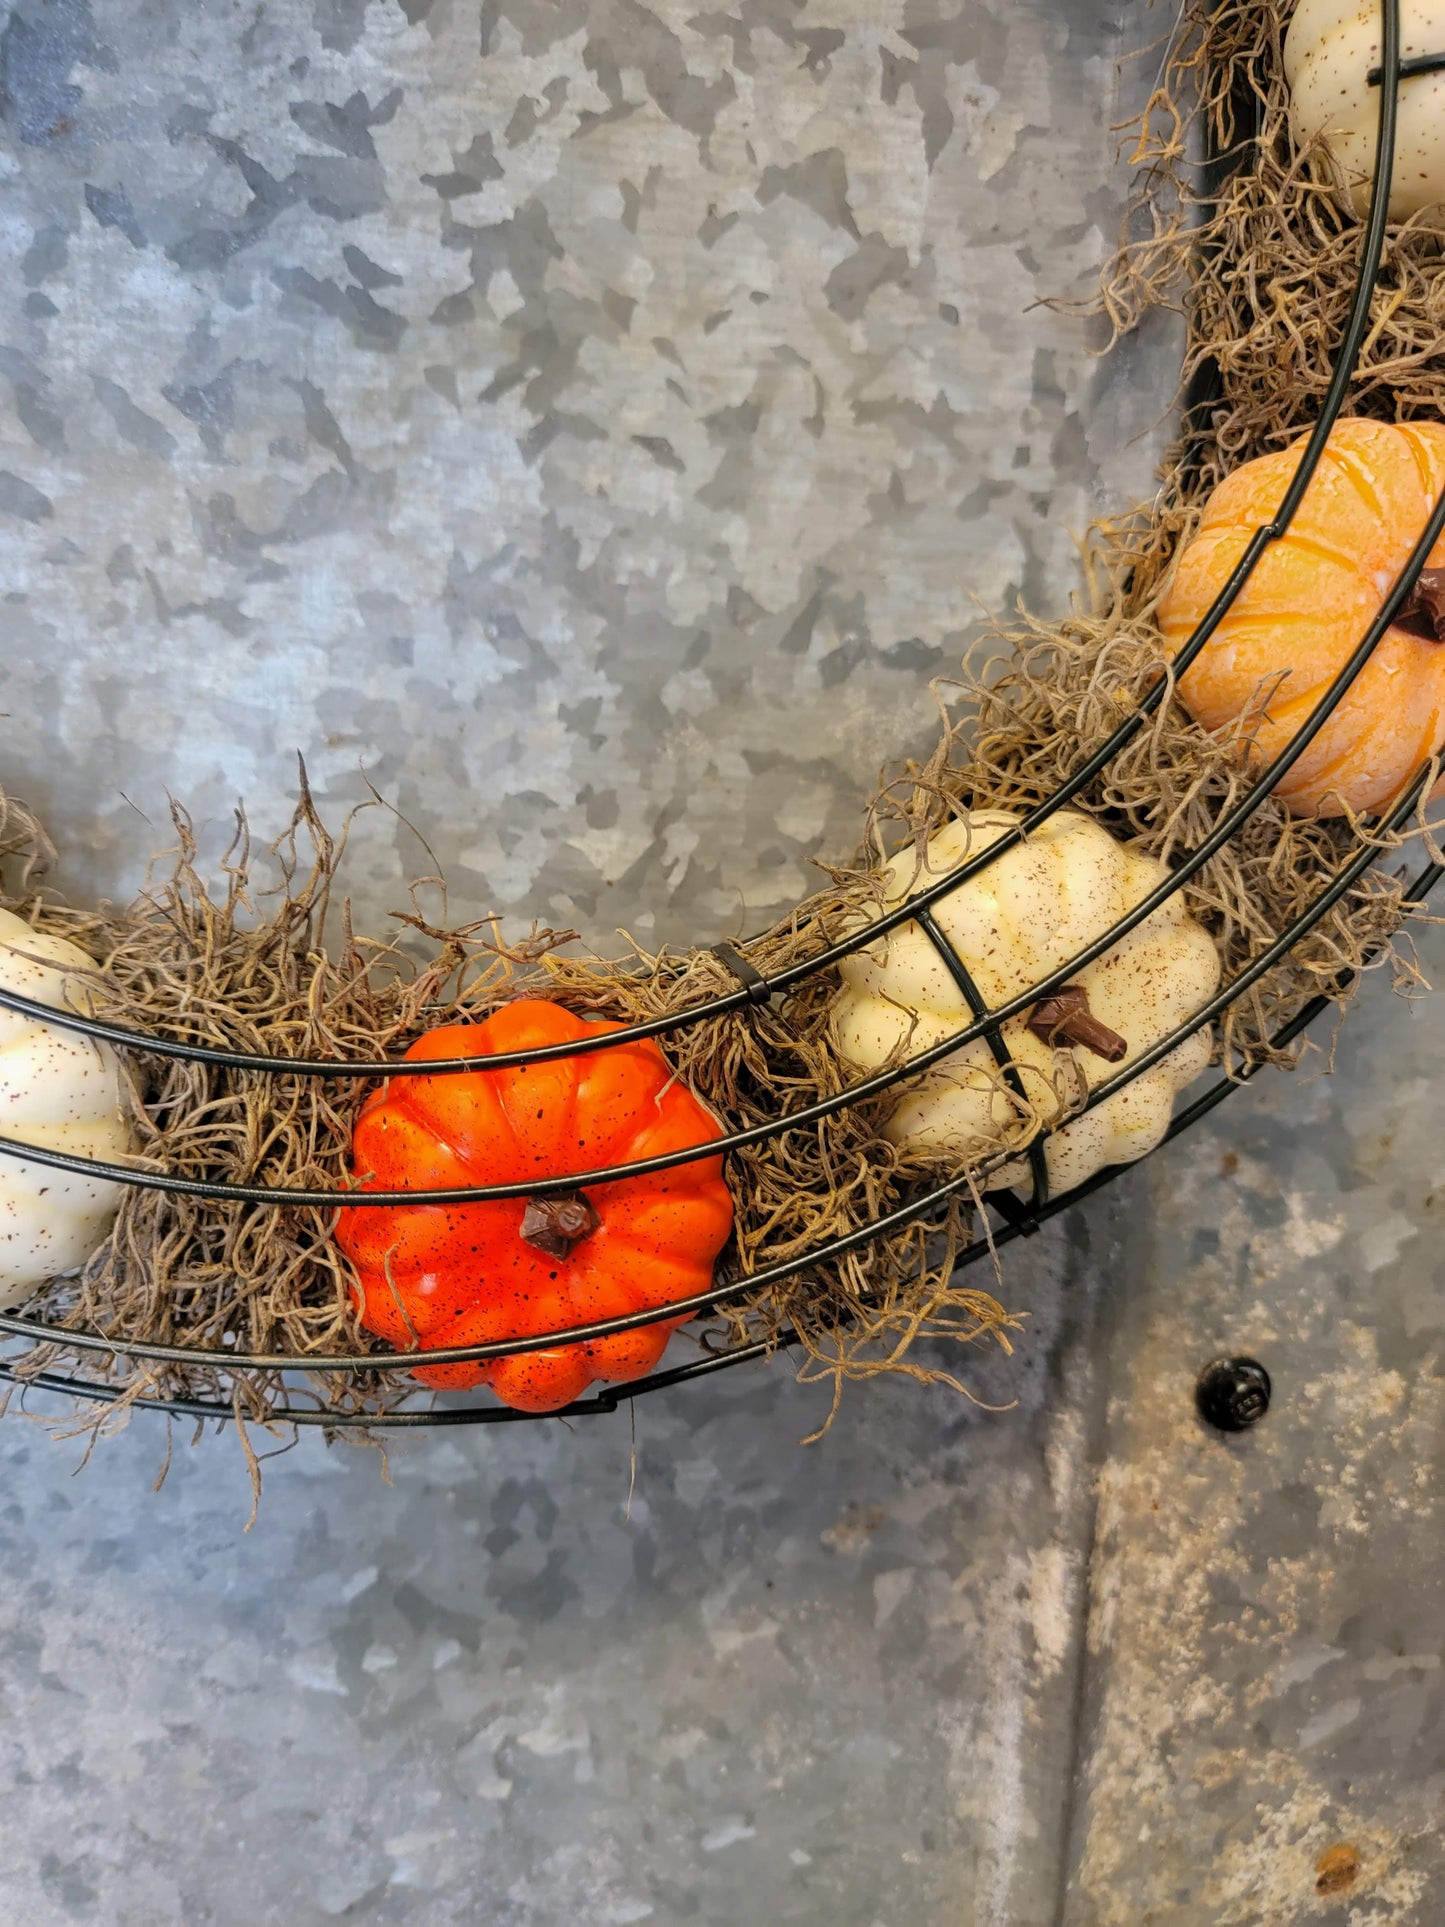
x=1308, y=607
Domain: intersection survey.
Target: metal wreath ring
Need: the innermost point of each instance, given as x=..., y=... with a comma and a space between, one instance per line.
x=1020, y=1216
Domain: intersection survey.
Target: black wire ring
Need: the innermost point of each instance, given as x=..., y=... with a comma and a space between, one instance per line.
x=905, y=1214
x=755, y=988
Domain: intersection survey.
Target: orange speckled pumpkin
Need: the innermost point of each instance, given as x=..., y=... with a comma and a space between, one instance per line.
x=431, y=1275
x=1310, y=603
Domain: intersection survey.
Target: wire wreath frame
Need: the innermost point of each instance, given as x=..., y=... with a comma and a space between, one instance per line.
x=1019, y=1216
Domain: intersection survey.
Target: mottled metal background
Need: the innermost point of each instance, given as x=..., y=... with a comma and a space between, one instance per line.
x=591, y=423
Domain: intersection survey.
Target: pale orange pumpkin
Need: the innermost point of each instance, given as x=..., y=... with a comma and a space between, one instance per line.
x=1309, y=604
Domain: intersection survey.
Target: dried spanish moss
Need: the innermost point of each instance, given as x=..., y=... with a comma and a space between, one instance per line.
x=1263, y=263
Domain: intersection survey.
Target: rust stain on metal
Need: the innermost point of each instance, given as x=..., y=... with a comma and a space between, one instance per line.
x=1337, y=1868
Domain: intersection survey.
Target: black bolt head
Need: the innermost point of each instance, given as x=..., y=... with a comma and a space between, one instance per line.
x=1232, y=1393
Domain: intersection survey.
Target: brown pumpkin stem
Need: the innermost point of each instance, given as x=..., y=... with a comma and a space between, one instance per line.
x=1423, y=613
x=1066, y=1015
x=555, y=1223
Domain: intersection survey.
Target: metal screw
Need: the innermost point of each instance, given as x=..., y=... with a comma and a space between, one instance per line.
x=1232, y=1393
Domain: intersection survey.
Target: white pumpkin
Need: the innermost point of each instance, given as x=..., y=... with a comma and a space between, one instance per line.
x=59, y=1090
x=1329, y=52
x=1012, y=925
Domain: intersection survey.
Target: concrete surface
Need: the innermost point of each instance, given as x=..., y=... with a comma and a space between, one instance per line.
x=589, y=421
x=1266, y=1615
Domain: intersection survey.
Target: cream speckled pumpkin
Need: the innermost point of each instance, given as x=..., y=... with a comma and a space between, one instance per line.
x=1013, y=924
x=61, y=1091
x=1329, y=52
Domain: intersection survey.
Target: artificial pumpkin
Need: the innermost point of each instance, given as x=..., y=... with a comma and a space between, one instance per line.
x=1013, y=924
x=59, y=1091
x=1308, y=606
x=431, y=1275
x=1330, y=51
